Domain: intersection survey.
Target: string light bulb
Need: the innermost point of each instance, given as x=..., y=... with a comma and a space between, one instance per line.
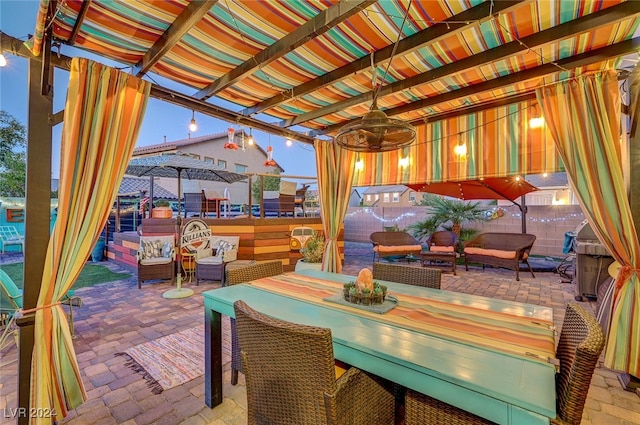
x=193, y=126
x=3, y=60
x=460, y=149
x=250, y=140
x=536, y=120
x=403, y=162
x=289, y=142
x=359, y=165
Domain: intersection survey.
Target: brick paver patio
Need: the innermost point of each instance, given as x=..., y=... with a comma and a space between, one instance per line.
x=117, y=315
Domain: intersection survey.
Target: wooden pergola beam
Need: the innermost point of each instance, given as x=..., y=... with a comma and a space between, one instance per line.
x=405, y=46
x=15, y=46
x=566, y=30
x=594, y=56
x=320, y=24
x=190, y=16
x=82, y=14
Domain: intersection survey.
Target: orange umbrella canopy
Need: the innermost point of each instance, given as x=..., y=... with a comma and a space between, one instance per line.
x=509, y=188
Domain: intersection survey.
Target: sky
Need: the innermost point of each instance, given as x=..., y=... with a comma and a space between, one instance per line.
x=17, y=19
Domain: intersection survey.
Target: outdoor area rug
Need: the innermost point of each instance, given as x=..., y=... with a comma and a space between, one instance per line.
x=169, y=361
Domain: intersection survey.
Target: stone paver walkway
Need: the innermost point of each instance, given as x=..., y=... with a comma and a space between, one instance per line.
x=117, y=315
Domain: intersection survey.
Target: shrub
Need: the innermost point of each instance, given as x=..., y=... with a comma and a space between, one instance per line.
x=314, y=249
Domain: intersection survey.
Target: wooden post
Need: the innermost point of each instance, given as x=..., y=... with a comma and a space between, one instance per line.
x=38, y=211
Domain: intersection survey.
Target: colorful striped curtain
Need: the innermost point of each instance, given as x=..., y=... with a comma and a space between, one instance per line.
x=584, y=118
x=335, y=173
x=103, y=113
x=499, y=141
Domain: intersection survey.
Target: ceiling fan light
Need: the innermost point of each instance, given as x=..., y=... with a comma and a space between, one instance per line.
x=375, y=132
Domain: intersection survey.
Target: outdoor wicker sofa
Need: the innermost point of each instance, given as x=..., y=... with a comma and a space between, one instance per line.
x=506, y=250
x=388, y=244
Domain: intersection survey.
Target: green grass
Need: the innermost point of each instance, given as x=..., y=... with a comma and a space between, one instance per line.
x=91, y=274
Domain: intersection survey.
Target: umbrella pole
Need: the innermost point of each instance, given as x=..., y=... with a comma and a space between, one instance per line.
x=523, y=209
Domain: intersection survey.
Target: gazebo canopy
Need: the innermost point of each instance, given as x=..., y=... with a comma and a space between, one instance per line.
x=312, y=64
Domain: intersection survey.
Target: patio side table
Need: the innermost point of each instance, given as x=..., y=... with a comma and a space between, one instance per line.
x=432, y=257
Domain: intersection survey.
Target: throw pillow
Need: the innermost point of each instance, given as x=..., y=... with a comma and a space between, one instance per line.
x=167, y=249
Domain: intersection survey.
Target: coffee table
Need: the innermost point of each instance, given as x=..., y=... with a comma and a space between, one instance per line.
x=432, y=257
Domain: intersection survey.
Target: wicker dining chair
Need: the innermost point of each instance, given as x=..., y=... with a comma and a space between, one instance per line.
x=291, y=378
x=409, y=275
x=242, y=275
x=581, y=342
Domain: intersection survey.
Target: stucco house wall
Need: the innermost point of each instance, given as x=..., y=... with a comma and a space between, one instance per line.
x=210, y=148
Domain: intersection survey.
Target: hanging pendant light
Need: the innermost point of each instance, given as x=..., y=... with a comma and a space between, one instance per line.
x=193, y=126
x=250, y=140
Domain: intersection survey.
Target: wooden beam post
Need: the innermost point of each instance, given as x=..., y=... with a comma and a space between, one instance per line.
x=37, y=215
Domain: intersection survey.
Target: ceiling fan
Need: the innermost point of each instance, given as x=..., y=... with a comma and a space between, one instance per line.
x=376, y=132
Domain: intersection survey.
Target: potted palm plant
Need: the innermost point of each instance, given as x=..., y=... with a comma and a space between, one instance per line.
x=312, y=253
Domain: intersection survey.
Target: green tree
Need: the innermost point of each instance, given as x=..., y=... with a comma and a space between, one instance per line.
x=13, y=161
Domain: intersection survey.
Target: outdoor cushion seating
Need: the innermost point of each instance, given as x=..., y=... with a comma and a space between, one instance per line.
x=291, y=377
x=443, y=241
x=241, y=275
x=281, y=202
x=387, y=244
x=9, y=236
x=210, y=262
x=579, y=347
x=409, y=275
x=156, y=258
x=506, y=250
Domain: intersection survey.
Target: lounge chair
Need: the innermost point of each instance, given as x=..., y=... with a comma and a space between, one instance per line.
x=11, y=303
x=9, y=236
x=156, y=258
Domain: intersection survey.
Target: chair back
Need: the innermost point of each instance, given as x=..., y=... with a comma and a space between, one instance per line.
x=288, y=368
x=253, y=272
x=580, y=345
x=194, y=202
x=393, y=239
x=443, y=238
x=226, y=246
x=10, y=294
x=409, y=275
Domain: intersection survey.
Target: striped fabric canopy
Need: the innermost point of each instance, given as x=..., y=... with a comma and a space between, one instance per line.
x=307, y=62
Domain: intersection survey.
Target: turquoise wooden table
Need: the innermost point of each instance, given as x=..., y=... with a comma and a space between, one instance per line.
x=502, y=387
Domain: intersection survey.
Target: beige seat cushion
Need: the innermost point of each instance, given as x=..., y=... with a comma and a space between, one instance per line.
x=209, y=260
x=436, y=248
x=156, y=260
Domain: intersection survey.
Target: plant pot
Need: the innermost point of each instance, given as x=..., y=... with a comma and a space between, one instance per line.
x=303, y=265
x=98, y=251
x=161, y=212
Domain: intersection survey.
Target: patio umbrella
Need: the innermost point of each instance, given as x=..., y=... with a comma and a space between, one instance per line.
x=491, y=188
x=508, y=188
x=177, y=166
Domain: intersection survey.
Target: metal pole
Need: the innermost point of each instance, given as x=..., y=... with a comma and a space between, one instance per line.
x=523, y=209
